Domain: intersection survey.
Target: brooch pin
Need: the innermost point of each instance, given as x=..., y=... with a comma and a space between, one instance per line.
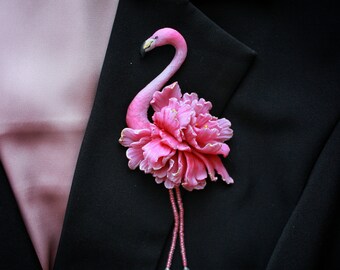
x=181, y=147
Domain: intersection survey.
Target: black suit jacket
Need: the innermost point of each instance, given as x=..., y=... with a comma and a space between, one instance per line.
x=279, y=214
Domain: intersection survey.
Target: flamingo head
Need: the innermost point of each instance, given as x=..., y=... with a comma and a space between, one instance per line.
x=161, y=37
x=148, y=45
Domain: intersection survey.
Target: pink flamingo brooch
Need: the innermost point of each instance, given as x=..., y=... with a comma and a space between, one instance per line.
x=181, y=147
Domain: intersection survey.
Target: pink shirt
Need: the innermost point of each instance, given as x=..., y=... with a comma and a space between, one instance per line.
x=51, y=54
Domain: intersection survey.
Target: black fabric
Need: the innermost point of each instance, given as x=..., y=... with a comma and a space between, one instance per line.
x=283, y=210
x=284, y=105
x=16, y=249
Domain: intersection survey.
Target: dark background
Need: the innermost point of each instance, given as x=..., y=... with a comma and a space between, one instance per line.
x=285, y=152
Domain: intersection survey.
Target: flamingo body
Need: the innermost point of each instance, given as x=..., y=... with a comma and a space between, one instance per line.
x=183, y=143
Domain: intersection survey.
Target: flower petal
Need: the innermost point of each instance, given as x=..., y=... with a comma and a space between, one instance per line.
x=210, y=147
x=161, y=172
x=161, y=99
x=166, y=119
x=195, y=171
x=168, y=184
x=135, y=156
x=206, y=135
x=177, y=167
x=225, y=131
x=220, y=169
x=153, y=150
x=170, y=141
x=208, y=164
x=129, y=136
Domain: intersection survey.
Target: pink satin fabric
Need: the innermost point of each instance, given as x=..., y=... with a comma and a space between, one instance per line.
x=51, y=55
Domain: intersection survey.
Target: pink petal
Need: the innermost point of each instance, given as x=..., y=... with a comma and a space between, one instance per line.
x=195, y=171
x=206, y=135
x=200, y=184
x=161, y=174
x=205, y=144
x=154, y=150
x=215, y=148
x=176, y=168
x=203, y=106
x=168, y=184
x=162, y=160
x=202, y=120
x=184, y=115
x=211, y=148
x=167, y=120
x=161, y=99
x=225, y=131
x=200, y=106
x=220, y=169
x=140, y=143
x=145, y=166
x=170, y=141
x=213, y=163
x=129, y=135
x=159, y=180
x=135, y=156
x=190, y=135
x=208, y=164
x=190, y=98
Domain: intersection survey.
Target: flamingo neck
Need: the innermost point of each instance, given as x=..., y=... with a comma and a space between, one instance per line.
x=136, y=116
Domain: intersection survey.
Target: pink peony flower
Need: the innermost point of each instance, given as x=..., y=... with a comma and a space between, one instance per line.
x=183, y=144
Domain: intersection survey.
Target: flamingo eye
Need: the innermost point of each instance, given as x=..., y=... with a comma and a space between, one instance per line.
x=156, y=37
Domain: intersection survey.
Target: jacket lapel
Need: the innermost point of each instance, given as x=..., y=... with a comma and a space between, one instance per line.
x=16, y=249
x=117, y=218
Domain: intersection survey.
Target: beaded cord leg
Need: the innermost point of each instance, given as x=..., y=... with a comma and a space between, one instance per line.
x=178, y=228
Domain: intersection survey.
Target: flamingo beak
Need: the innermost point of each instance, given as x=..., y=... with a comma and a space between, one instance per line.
x=147, y=46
